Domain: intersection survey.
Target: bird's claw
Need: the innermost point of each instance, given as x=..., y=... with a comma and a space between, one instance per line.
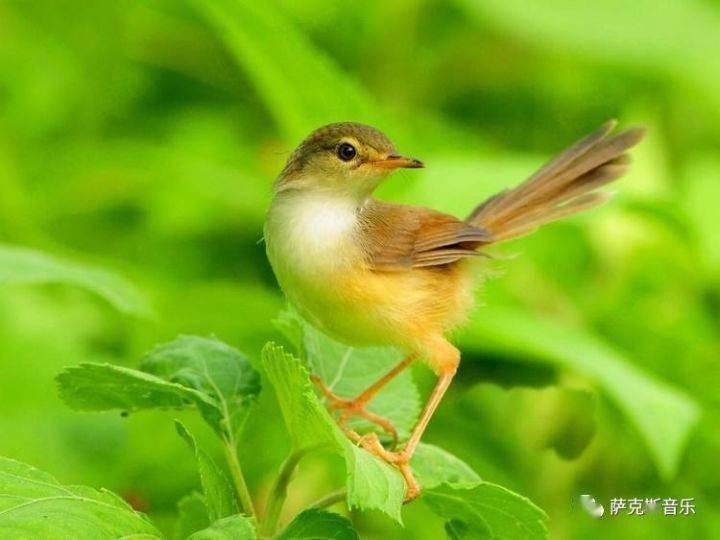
x=401, y=460
x=370, y=441
x=354, y=407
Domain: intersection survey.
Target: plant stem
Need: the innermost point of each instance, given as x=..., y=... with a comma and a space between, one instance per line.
x=278, y=493
x=241, y=488
x=331, y=498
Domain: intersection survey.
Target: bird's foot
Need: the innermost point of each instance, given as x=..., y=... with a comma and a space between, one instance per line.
x=401, y=460
x=354, y=407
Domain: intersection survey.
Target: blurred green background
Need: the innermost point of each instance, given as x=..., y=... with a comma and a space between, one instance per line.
x=143, y=137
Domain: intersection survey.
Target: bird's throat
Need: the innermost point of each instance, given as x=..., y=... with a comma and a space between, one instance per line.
x=312, y=233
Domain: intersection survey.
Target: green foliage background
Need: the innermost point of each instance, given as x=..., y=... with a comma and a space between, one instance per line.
x=143, y=137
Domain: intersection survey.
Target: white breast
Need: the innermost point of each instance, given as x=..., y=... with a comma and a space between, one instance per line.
x=311, y=236
x=314, y=246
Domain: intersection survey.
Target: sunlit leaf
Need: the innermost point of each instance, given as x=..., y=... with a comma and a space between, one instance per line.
x=230, y=528
x=101, y=387
x=487, y=511
x=319, y=525
x=26, y=266
x=371, y=483
x=33, y=504
x=434, y=466
x=347, y=371
x=207, y=373
x=213, y=368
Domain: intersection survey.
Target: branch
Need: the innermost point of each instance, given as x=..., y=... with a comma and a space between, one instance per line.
x=331, y=498
x=241, y=488
x=278, y=492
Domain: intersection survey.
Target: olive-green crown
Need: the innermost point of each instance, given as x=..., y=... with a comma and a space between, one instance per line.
x=327, y=137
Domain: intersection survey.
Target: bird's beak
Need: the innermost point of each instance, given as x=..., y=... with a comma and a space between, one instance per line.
x=396, y=161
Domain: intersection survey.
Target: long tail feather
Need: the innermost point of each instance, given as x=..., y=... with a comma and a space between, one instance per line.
x=565, y=185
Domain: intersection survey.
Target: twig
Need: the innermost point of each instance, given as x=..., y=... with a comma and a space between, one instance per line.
x=331, y=498
x=241, y=488
x=278, y=492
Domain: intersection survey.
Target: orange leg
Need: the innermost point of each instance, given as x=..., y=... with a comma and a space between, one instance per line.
x=356, y=406
x=401, y=459
x=445, y=364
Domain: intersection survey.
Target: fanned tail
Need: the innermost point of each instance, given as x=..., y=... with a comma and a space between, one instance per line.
x=565, y=185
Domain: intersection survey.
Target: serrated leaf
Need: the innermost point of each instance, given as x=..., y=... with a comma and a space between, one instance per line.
x=290, y=325
x=434, y=466
x=230, y=528
x=371, y=483
x=26, y=266
x=192, y=515
x=663, y=415
x=206, y=373
x=218, y=494
x=212, y=368
x=316, y=524
x=102, y=387
x=33, y=504
x=486, y=511
x=348, y=371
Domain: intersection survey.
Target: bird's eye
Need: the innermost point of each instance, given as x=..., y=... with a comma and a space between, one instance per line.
x=346, y=151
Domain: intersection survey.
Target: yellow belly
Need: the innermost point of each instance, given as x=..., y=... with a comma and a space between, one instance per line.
x=403, y=309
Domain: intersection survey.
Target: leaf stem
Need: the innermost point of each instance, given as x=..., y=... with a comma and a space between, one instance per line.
x=278, y=492
x=331, y=498
x=241, y=488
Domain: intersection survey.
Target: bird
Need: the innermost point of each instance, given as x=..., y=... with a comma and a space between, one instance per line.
x=373, y=273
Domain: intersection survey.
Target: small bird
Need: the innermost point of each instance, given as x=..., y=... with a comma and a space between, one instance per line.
x=369, y=272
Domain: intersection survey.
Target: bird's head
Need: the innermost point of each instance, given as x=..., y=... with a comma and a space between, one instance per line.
x=345, y=158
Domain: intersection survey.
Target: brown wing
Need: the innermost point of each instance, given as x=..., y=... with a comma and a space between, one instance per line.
x=398, y=238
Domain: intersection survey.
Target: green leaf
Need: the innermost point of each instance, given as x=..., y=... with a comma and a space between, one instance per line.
x=348, y=371
x=218, y=494
x=291, y=326
x=20, y=265
x=486, y=511
x=230, y=528
x=319, y=525
x=212, y=368
x=102, y=387
x=434, y=466
x=663, y=415
x=301, y=86
x=674, y=36
x=33, y=504
x=192, y=515
x=371, y=483
x=207, y=373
